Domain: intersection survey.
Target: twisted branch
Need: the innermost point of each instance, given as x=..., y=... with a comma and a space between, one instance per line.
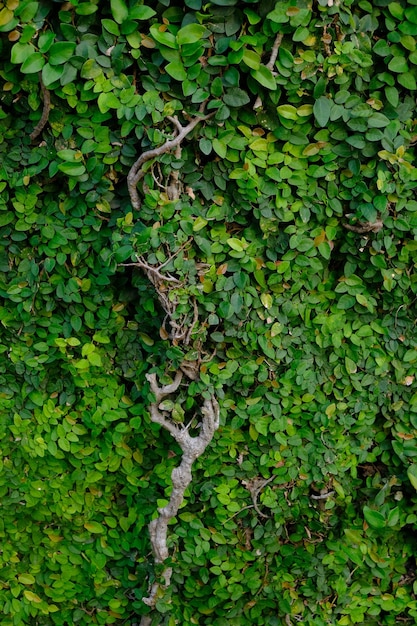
x=137, y=172
x=182, y=328
x=192, y=448
x=164, y=284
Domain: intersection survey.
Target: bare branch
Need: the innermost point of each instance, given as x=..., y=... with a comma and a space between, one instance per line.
x=137, y=172
x=365, y=227
x=181, y=476
x=322, y=496
x=274, y=51
x=175, y=121
x=154, y=273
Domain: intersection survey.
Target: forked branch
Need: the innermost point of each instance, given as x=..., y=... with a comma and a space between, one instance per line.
x=137, y=172
x=165, y=284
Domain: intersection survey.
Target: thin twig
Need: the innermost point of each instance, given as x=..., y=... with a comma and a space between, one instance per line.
x=322, y=496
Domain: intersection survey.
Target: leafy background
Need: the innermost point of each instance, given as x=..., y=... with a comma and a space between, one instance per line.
x=304, y=508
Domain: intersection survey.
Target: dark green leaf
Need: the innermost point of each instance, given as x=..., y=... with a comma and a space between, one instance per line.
x=321, y=111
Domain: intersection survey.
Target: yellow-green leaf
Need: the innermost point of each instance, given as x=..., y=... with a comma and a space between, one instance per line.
x=288, y=112
x=412, y=475
x=26, y=579
x=94, y=527
x=32, y=597
x=266, y=300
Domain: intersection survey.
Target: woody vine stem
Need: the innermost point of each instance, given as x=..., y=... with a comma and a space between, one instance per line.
x=182, y=328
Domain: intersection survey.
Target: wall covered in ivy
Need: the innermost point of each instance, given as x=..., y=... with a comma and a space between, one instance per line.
x=288, y=217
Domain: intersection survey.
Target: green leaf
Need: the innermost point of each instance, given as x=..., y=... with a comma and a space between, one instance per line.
x=410, y=356
x=396, y=10
x=20, y=52
x=95, y=359
x=6, y=218
x=60, y=52
x=199, y=224
x=412, y=475
x=378, y=120
x=64, y=444
x=251, y=59
x=86, y=8
x=205, y=145
x=191, y=33
x=264, y=77
x=94, y=527
x=72, y=169
x=411, y=14
x=33, y=64
x=236, y=97
x=351, y=366
x=279, y=14
x=32, y=597
x=107, y=101
x=119, y=10
x=408, y=81
x=141, y=12
x=321, y=111
x=51, y=74
x=111, y=27
x=398, y=64
x=6, y=15
x=26, y=579
x=123, y=253
x=37, y=397
x=220, y=147
x=91, y=69
x=267, y=300
x=288, y=112
x=236, y=244
x=374, y=518
x=176, y=70
x=164, y=37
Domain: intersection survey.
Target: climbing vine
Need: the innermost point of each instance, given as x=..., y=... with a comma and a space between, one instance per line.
x=208, y=281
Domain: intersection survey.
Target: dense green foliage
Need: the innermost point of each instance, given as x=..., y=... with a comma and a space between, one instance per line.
x=296, y=234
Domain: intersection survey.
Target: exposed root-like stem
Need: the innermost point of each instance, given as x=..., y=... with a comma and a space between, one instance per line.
x=192, y=448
